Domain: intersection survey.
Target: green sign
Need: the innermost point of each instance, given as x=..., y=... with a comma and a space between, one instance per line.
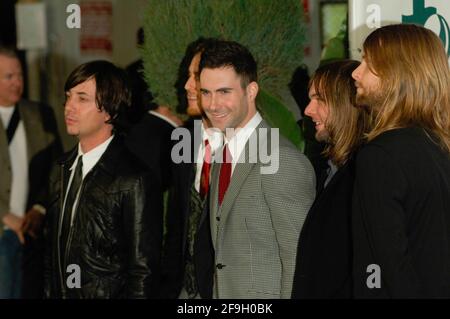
x=421, y=14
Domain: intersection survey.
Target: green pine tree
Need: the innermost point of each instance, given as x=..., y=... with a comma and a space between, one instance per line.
x=272, y=30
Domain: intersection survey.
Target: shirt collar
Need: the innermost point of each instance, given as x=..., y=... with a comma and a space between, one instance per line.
x=7, y=108
x=92, y=157
x=237, y=142
x=6, y=113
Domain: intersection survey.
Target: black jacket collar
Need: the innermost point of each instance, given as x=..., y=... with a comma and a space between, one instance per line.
x=108, y=161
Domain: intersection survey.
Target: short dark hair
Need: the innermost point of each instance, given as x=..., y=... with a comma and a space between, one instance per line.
x=230, y=54
x=8, y=51
x=112, y=94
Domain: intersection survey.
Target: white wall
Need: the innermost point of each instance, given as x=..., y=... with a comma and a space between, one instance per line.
x=64, y=51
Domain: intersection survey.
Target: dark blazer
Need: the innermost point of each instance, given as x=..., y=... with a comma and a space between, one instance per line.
x=177, y=230
x=324, y=253
x=150, y=141
x=117, y=229
x=43, y=147
x=401, y=217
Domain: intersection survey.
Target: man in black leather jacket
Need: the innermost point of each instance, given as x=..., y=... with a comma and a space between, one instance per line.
x=104, y=217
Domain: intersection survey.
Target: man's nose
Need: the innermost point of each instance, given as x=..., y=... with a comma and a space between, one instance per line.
x=213, y=102
x=356, y=73
x=190, y=84
x=309, y=109
x=68, y=105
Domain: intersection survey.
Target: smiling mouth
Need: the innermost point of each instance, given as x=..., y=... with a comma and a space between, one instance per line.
x=218, y=115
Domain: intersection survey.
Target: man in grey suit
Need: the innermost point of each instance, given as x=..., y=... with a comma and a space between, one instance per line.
x=29, y=142
x=256, y=210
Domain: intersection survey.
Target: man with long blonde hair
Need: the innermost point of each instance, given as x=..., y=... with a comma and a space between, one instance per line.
x=324, y=253
x=401, y=200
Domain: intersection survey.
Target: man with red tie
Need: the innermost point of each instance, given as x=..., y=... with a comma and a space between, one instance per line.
x=188, y=258
x=256, y=210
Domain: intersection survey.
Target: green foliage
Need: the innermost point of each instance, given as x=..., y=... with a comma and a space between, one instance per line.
x=272, y=30
x=277, y=115
x=336, y=47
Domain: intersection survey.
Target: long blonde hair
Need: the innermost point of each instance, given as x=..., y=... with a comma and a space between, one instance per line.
x=346, y=123
x=412, y=65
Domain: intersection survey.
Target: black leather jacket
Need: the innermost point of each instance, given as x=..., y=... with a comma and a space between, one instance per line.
x=117, y=229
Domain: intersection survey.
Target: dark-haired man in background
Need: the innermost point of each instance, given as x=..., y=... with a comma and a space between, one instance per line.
x=104, y=216
x=150, y=137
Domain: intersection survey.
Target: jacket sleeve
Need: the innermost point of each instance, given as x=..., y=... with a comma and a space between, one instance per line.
x=289, y=193
x=143, y=210
x=379, y=226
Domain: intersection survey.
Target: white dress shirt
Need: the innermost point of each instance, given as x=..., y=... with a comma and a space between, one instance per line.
x=90, y=159
x=237, y=142
x=19, y=164
x=215, y=139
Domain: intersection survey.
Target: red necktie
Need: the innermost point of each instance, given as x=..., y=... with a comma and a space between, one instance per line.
x=204, y=179
x=225, y=173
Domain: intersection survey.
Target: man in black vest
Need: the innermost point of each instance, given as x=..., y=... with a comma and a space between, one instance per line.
x=189, y=255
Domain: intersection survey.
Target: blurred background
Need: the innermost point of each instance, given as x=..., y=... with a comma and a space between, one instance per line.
x=54, y=36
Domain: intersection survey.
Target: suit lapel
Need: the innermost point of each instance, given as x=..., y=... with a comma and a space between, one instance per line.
x=241, y=171
x=212, y=204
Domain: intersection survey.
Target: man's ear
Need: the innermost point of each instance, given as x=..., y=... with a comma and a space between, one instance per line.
x=252, y=90
x=106, y=116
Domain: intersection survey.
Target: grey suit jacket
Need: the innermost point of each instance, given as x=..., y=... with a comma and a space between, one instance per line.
x=38, y=138
x=255, y=231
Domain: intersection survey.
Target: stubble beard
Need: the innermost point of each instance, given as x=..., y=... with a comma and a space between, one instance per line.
x=371, y=101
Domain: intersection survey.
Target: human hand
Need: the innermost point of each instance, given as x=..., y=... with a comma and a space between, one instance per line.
x=32, y=223
x=15, y=224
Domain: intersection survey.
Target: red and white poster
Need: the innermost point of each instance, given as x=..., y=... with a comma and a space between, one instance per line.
x=96, y=28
